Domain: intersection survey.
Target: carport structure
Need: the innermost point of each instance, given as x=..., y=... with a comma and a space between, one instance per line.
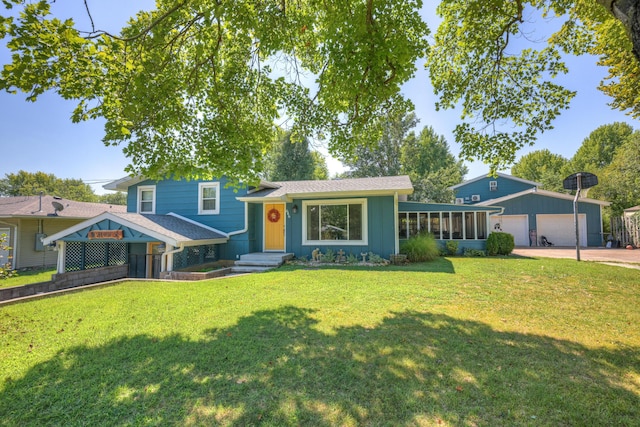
x=149, y=244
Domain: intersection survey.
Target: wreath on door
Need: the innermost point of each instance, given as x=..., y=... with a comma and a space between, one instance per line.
x=273, y=215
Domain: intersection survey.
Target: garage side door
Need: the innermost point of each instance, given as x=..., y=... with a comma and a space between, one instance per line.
x=4, y=255
x=518, y=225
x=559, y=228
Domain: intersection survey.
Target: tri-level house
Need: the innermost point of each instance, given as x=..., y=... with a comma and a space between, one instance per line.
x=173, y=224
x=530, y=212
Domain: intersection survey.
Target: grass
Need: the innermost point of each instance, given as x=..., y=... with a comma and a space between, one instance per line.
x=460, y=341
x=28, y=277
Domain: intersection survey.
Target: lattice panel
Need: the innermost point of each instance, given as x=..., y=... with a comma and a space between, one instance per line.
x=73, y=256
x=117, y=253
x=84, y=256
x=95, y=255
x=194, y=255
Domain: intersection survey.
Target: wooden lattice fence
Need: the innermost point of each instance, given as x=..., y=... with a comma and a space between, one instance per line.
x=626, y=230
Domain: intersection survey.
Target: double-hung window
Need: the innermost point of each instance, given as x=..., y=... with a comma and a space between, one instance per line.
x=147, y=199
x=208, y=198
x=335, y=222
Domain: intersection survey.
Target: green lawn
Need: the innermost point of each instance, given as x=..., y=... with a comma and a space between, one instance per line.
x=28, y=277
x=456, y=342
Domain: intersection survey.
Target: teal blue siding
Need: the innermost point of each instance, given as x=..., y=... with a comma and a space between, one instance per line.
x=129, y=235
x=533, y=204
x=480, y=187
x=181, y=197
x=380, y=229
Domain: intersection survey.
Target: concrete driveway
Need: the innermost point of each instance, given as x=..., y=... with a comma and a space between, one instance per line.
x=617, y=255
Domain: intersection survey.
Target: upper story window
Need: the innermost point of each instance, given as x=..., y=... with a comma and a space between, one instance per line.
x=209, y=198
x=330, y=222
x=493, y=185
x=147, y=199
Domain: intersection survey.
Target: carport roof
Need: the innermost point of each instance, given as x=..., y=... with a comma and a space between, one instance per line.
x=172, y=228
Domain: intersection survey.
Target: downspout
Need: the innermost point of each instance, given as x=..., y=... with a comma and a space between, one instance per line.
x=396, y=231
x=246, y=222
x=165, y=257
x=14, y=247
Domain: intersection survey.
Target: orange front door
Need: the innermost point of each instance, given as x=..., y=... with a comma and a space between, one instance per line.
x=274, y=227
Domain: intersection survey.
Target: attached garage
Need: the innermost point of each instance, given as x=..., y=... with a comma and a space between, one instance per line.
x=560, y=229
x=517, y=225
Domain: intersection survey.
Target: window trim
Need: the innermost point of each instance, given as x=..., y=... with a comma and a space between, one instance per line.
x=201, y=186
x=365, y=222
x=153, y=200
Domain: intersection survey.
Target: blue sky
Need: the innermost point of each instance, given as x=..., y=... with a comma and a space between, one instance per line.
x=40, y=136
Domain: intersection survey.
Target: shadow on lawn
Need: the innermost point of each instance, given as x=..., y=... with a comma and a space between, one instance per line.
x=274, y=367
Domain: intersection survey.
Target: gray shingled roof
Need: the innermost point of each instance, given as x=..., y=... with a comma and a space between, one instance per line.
x=386, y=184
x=173, y=227
x=32, y=206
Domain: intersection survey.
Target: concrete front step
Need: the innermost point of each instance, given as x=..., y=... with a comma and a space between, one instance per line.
x=260, y=261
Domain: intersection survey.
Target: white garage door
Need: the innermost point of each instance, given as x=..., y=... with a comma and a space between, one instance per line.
x=560, y=230
x=518, y=225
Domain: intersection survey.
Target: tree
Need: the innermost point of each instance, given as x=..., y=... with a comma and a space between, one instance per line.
x=483, y=62
x=619, y=182
x=431, y=166
x=116, y=198
x=31, y=184
x=320, y=169
x=291, y=160
x=599, y=148
x=193, y=88
x=382, y=157
x=544, y=167
x=425, y=158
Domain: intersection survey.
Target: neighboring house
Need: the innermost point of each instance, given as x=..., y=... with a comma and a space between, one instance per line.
x=530, y=212
x=28, y=219
x=172, y=224
x=629, y=212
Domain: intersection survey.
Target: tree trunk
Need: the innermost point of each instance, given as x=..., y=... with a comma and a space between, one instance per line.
x=627, y=12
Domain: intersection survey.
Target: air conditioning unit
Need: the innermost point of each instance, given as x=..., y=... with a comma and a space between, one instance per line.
x=475, y=197
x=459, y=201
x=493, y=185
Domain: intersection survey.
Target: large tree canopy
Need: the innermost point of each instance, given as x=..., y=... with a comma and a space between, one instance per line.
x=543, y=166
x=195, y=87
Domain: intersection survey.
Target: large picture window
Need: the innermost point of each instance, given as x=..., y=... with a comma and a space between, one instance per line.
x=335, y=222
x=209, y=198
x=147, y=199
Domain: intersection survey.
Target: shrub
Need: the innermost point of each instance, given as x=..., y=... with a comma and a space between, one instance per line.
x=499, y=243
x=474, y=252
x=376, y=259
x=452, y=247
x=328, y=256
x=422, y=247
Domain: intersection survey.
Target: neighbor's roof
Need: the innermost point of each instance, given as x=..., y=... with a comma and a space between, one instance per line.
x=288, y=190
x=172, y=228
x=501, y=175
x=37, y=207
x=539, y=192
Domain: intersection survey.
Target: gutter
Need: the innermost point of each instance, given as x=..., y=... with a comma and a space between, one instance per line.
x=165, y=256
x=395, y=223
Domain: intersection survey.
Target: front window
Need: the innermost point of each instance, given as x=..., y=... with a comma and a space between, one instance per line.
x=147, y=199
x=335, y=222
x=209, y=198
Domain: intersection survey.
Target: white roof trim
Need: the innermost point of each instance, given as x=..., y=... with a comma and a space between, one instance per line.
x=123, y=184
x=107, y=215
x=501, y=175
x=540, y=192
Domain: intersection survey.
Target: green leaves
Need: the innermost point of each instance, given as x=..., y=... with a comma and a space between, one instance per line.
x=195, y=89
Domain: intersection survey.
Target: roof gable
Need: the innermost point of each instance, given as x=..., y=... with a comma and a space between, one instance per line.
x=539, y=192
x=499, y=174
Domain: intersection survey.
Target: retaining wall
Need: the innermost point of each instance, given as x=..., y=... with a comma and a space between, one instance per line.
x=71, y=279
